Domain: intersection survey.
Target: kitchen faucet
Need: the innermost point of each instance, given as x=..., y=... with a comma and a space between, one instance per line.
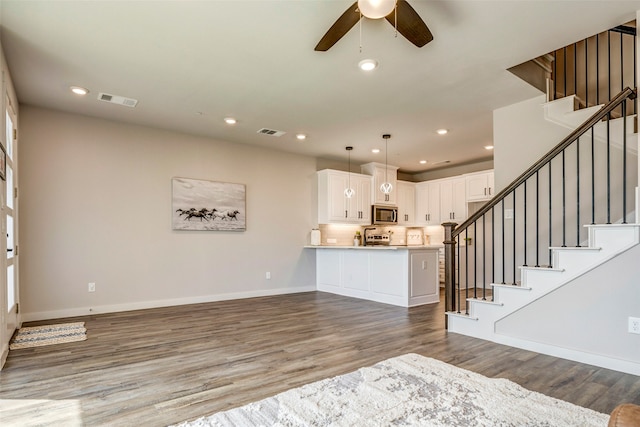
x=365, y=234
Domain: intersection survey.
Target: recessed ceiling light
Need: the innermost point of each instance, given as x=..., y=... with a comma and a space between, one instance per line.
x=301, y=136
x=488, y=147
x=423, y=162
x=375, y=150
x=230, y=121
x=442, y=131
x=368, y=64
x=79, y=90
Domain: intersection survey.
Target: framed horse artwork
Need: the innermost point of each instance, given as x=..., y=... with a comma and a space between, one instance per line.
x=207, y=205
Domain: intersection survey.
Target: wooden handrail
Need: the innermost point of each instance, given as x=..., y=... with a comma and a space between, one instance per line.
x=627, y=93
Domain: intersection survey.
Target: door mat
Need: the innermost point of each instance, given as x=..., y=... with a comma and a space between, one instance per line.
x=38, y=336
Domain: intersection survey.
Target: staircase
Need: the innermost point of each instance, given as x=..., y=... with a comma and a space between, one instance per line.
x=518, y=282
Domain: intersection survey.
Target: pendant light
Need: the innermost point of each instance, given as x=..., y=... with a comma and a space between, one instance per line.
x=349, y=192
x=386, y=186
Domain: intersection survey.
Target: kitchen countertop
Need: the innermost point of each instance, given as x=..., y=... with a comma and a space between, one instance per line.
x=375, y=247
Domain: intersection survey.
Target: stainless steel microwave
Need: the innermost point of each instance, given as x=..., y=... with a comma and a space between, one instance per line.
x=384, y=215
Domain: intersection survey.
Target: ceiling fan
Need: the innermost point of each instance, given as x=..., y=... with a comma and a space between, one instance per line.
x=405, y=19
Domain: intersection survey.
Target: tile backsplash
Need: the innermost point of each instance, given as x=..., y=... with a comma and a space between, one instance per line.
x=342, y=235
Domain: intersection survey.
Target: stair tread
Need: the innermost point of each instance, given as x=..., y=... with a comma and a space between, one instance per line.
x=484, y=301
x=530, y=267
x=576, y=248
x=462, y=315
x=611, y=225
x=508, y=286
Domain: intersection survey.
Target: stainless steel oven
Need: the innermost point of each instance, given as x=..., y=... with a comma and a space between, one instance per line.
x=384, y=215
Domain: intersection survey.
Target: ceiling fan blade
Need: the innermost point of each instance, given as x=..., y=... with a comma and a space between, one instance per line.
x=410, y=25
x=341, y=27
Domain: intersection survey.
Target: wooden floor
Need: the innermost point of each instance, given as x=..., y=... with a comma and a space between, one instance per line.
x=162, y=366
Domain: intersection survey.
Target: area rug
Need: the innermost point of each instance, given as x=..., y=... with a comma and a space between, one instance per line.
x=409, y=390
x=37, y=336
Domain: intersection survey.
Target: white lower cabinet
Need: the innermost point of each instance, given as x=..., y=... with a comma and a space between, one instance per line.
x=404, y=276
x=424, y=285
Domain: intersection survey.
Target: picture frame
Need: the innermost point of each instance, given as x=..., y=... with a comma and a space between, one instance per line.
x=203, y=205
x=3, y=162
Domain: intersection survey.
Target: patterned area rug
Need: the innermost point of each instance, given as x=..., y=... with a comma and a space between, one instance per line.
x=408, y=390
x=37, y=336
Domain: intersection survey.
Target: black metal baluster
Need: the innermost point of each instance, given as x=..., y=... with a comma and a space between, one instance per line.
x=484, y=261
x=575, y=69
x=624, y=161
x=459, y=282
x=564, y=205
x=554, y=71
x=475, y=260
x=593, y=177
x=537, y=219
x=608, y=169
x=564, y=57
x=466, y=270
x=550, y=214
x=586, y=71
x=525, y=225
x=609, y=64
x=514, y=237
x=635, y=99
x=578, y=193
x=493, y=247
x=597, y=69
x=622, y=66
x=503, y=257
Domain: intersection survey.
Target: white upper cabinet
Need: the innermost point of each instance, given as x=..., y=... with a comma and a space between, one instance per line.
x=334, y=207
x=453, y=200
x=480, y=186
x=380, y=175
x=428, y=203
x=406, y=203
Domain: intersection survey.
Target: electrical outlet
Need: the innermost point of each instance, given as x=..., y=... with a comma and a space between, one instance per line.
x=91, y=287
x=634, y=325
x=268, y=275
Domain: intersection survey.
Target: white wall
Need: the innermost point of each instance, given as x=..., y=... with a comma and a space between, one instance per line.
x=95, y=206
x=589, y=314
x=521, y=136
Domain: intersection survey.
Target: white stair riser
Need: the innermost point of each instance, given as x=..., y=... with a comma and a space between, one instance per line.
x=613, y=238
x=542, y=277
x=512, y=297
x=578, y=260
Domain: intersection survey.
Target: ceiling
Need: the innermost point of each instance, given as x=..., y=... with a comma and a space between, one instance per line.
x=192, y=63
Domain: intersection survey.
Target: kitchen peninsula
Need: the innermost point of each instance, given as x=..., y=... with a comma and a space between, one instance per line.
x=405, y=276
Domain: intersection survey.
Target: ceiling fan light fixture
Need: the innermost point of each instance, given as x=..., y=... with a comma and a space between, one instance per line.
x=368, y=64
x=376, y=9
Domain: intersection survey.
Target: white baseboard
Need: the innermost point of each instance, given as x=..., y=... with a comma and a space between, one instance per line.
x=115, y=308
x=620, y=365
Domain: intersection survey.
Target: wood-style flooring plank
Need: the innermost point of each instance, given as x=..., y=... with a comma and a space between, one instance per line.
x=163, y=366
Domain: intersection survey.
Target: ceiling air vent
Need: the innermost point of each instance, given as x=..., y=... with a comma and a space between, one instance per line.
x=115, y=99
x=271, y=132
